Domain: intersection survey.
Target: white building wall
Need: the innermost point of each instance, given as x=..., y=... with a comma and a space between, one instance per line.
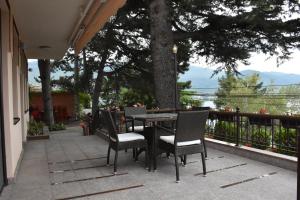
x=13, y=133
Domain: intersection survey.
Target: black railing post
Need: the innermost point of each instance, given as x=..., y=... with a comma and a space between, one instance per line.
x=238, y=124
x=298, y=164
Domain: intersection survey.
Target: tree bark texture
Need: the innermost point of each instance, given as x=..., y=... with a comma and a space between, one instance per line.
x=76, y=89
x=45, y=76
x=98, y=84
x=97, y=90
x=161, y=49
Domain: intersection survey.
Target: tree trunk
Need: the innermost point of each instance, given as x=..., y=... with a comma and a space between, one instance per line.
x=161, y=49
x=97, y=90
x=45, y=76
x=76, y=88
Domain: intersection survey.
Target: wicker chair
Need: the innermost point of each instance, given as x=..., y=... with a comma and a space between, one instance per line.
x=121, y=141
x=188, y=137
x=133, y=125
x=202, y=109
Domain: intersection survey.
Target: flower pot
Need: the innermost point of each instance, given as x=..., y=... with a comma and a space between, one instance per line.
x=37, y=137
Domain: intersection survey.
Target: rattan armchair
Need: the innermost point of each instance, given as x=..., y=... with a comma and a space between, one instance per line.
x=187, y=139
x=121, y=141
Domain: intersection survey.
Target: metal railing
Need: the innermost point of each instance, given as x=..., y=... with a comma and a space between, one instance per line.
x=277, y=133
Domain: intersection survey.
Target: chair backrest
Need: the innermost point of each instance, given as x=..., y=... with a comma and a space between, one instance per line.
x=110, y=125
x=191, y=125
x=134, y=111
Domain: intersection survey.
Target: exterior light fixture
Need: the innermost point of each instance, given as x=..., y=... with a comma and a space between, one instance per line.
x=175, y=49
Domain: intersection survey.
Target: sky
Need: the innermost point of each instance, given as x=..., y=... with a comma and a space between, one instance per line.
x=263, y=63
x=258, y=62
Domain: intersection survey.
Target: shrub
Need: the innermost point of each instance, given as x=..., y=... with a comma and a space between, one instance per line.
x=57, y=127
x=285, y=141
x=225, y=131
x=35, y=128
x=260, y=137
x=85, y=100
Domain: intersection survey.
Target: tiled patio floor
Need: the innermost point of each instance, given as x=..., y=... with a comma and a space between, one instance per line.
x=47, y=172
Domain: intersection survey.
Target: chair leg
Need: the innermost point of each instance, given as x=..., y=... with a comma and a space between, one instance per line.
x=203, y=164
x=149, y=157
x=136, y=155
x=168, y=155
x=133, y=153
x=205, y=150
x=181, y=159
x=108, y=155
x=176, y=166
x=116, y=162
x=184, y=160
x=146, y=158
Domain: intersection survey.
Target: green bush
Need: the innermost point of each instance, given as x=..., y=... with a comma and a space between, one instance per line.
x=35, y=128
x=225, y=131
x=85, y=100
x=285, y=141
x=57, y=127
x=260, y=137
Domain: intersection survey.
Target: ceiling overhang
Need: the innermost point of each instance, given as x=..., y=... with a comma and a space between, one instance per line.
x=47, y=28
x=98, y=15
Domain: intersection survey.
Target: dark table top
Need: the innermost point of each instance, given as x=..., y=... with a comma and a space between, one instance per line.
x=154, y=117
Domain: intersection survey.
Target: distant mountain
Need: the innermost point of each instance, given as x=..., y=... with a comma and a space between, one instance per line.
x=201, y=77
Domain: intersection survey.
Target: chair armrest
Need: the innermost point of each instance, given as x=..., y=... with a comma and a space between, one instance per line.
x=166, y=129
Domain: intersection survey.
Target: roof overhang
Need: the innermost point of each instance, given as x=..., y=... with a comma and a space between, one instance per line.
x=48, y=28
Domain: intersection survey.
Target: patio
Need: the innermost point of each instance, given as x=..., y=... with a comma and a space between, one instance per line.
x=72, y=166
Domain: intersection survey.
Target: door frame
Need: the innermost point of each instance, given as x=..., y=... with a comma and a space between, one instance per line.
x=2, y=135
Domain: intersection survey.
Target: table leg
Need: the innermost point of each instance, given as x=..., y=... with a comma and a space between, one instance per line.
x=154, y=146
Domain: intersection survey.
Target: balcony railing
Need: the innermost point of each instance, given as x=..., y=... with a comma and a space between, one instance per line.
x=276, y=133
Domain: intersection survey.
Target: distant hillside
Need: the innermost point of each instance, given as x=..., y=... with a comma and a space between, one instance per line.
x=201, y=77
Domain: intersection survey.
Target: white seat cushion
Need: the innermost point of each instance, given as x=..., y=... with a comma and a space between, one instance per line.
x=126, y=137
x=136, y=128
x=170, y=139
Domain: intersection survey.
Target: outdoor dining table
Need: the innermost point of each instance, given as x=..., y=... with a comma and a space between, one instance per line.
x=154, y=119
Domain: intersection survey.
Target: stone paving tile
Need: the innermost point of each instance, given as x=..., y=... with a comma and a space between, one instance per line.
x=34, y=180
x=131, y=194
x=67, y=190
x=33, y=172
x=28, y=192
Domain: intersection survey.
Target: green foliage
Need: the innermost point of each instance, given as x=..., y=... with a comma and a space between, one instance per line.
x=188, y=97
x=35, y=128
x=224, y=32
x=57, y=127
x=248, y=94
x=228, y=31
x=260, y=137
x=285, y=141
x=85, y=100
x=292, y=93
x=128, y=97
x=188, y=100
x=225, y=131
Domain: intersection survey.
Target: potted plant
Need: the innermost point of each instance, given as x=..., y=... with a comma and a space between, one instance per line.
x=57, y=127
x=227, y=109
x=263, y=111
x=35, y=131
